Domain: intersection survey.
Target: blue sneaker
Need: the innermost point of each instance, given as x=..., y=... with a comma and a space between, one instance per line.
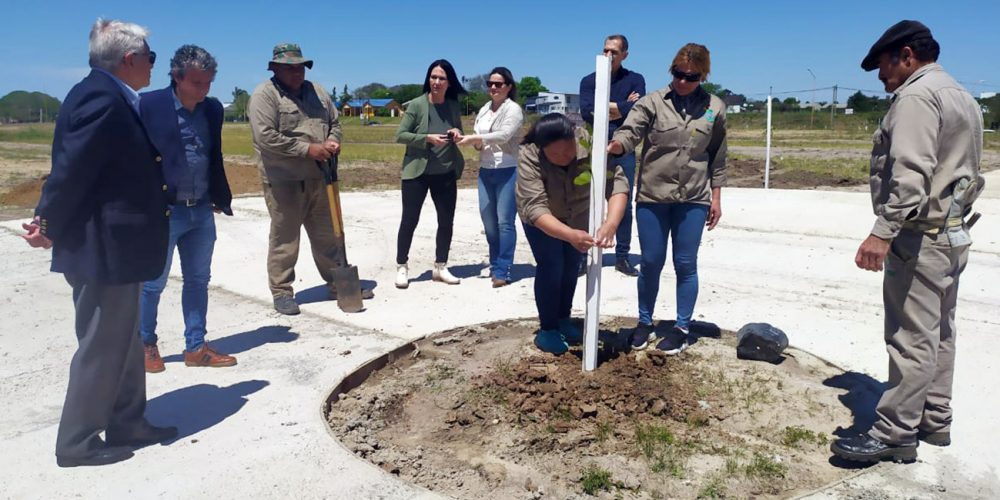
x=641, y=336
x=569, y=332
x=551, y=341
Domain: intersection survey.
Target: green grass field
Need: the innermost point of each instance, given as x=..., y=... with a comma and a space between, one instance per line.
x=376, y=143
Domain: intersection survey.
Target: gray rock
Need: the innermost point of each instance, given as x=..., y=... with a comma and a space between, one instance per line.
x=760, y=342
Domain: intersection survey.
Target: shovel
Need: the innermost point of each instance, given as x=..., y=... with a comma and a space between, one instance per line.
x=345, y=276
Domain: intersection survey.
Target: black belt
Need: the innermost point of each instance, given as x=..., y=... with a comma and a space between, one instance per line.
x=188, y=203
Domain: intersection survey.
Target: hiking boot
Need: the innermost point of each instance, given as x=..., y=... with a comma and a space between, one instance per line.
x=206, y=356
x=569, y=332
x=286, y=305
x=442, y=274
x=625, y=267
x=551, y=341
x=865, y=448
x=674, y=342
x=641, y=336
x=935, y=438
x=152, y=359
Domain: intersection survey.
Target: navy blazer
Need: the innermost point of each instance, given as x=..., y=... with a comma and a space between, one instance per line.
x=104, y=204
x=159, y=114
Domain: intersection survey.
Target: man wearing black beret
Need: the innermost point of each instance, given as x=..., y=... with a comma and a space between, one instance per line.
x=924, y=179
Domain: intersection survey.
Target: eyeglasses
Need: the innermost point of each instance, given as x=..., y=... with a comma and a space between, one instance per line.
x=496, y=84
x=687, y=77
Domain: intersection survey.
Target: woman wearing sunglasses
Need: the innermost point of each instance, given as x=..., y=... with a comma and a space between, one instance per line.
x=496, y=138
x=683, y=131
x=430, y=128
x=555, y=212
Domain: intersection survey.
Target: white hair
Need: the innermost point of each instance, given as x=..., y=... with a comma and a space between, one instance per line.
x=111, y=40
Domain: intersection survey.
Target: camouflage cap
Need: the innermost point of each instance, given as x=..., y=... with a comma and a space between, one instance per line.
x=288, y=53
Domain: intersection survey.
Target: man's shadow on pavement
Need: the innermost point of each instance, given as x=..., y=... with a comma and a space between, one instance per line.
x=863, y=394
x=196, y=408
x=320, y=293
x=244, y=341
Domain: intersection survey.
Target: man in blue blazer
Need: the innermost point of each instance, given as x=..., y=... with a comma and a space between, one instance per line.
x=104, y=213
x=186, y=127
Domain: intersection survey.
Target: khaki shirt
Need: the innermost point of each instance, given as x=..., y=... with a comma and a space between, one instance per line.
x=283, y=126
x=543, y=188
x=930, y=139
x=682, y=158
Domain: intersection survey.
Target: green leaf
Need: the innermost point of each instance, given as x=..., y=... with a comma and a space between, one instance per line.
x=583, y=179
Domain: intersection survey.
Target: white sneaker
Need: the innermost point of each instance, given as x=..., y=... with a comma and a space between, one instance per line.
x=442, y=274
x=402, y=281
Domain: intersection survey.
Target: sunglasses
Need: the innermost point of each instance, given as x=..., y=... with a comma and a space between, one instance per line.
x=496, y=84
x=687, y=77
x=150, y=54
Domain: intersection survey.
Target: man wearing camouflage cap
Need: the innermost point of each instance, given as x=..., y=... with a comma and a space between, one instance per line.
x=924, y=179
x=294, y=125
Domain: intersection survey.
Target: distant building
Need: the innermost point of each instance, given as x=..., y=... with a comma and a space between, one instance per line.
x=368, y=108
x=986, y=95
x=735, y=103
x=554, y=102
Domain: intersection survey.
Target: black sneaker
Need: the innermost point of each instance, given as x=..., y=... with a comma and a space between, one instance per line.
x=673, y=342
x=286, y=305
x=625, y=267
x=641, y=336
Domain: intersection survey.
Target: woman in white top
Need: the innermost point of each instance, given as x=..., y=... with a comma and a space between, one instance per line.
x=497, y=138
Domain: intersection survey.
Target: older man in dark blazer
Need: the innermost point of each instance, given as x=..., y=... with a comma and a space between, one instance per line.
x=104, y=213
x=186, y=127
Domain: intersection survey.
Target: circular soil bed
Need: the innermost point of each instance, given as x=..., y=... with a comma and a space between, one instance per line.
x=479, y=412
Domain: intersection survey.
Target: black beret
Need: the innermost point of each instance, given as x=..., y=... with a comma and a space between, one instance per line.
x=897, y=35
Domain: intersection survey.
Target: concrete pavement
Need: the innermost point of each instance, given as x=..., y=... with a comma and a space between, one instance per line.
x=255, y=430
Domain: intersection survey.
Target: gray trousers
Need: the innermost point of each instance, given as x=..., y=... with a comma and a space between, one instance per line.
x=292, y=205
x=920, y=291
x=107, y=381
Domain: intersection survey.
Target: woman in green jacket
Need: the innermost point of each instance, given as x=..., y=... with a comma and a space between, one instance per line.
x=431, y=127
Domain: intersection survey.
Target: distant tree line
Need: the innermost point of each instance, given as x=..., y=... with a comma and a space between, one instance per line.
x=21, y=106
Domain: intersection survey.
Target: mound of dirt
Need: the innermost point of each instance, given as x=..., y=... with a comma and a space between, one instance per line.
x=480, y=413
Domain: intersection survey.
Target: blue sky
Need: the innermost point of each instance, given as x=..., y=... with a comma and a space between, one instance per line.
x=754, y=45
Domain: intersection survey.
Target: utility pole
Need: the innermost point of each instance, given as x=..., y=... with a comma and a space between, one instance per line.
x=833, y=107
x=812, y=103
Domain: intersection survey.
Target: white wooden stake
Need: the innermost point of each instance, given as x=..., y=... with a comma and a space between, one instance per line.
x=598, y=169
x=767, y=157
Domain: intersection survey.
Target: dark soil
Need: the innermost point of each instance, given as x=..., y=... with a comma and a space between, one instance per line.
x=480, y=413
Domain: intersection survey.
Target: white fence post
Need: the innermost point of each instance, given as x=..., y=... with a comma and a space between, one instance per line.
x=598, y=169
x=767, y=157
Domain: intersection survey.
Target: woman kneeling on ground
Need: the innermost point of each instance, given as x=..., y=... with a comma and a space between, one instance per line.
x=555, y=212
x=678, y=188
x=430, y=127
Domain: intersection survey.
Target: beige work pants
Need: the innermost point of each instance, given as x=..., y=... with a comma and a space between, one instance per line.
x=292, y=205
x=920, y=291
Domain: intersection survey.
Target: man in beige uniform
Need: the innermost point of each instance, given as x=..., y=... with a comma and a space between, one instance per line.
x=924, y=178
x=295, y=127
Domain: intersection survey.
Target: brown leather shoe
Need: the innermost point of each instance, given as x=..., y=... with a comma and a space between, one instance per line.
x=497, y=283
x=151, y=355
x=206, y=356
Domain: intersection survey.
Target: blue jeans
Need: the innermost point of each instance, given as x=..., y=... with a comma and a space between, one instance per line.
x=684, y=223
x=497, y=209
x=555, y=276
x=623, y=238
x=192, y=231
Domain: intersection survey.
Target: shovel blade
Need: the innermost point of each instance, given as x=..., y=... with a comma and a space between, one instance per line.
x=348, y=284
